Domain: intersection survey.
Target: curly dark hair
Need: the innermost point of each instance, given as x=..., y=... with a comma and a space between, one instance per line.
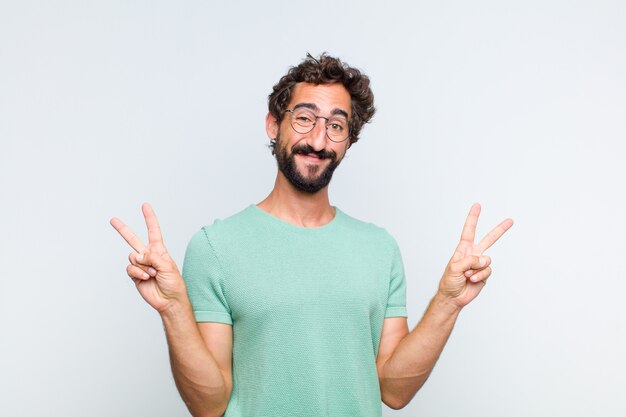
x=327, y=70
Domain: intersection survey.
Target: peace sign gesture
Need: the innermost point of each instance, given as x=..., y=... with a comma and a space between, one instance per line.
x=467, y=272
x=154, y=272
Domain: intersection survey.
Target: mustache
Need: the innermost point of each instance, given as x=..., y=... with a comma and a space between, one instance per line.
x=308, y=149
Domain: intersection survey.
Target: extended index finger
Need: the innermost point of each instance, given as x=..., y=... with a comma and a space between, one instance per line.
x=154, y=230
x=469, y=228
x=128, y=235
x=494, y=235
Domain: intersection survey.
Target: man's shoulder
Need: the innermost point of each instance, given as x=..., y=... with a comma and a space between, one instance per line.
x=233, y=219
x=224, y=232
x=236, y=223
x=367, y=229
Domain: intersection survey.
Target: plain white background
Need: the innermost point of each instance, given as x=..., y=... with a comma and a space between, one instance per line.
x=520, y=105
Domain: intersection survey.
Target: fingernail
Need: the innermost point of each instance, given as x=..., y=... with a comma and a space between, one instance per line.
x=483, y=261
x=152, y=271
x=146, y=276
x=139, y=257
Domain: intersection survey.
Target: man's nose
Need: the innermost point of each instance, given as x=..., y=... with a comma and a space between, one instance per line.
x=317, y=137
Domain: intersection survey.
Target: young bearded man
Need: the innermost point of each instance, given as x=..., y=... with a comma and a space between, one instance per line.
x=291, y=307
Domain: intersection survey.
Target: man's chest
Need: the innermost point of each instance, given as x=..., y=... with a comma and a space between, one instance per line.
x=296, y=279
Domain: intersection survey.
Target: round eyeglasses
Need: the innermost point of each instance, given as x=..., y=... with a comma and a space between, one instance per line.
x=303, y=120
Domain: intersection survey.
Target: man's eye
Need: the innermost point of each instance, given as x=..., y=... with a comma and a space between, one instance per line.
x=336, y=127
x=304, y=119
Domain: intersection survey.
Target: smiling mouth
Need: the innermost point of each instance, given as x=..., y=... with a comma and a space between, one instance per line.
x=308, y=151
x=310, y=156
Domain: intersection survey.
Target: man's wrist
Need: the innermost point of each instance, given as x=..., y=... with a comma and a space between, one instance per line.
x=446, y=304
x=176, y=309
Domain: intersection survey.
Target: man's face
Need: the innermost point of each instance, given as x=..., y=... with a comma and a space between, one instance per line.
x=308, y=160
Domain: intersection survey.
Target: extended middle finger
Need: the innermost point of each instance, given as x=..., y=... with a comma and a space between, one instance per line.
x=129, y=236
x=495, y=234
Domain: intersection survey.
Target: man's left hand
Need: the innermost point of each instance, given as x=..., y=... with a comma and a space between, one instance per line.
x=467, y=272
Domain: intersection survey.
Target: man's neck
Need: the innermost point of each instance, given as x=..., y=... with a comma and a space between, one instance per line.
x=297, y=207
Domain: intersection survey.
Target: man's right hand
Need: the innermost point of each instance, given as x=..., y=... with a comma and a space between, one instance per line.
x=154, y=272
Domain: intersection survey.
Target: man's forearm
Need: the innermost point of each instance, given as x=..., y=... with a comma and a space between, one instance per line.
x=415, y=356
x=202, y=385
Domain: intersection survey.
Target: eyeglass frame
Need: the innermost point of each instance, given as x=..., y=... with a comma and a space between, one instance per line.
x=327, y=119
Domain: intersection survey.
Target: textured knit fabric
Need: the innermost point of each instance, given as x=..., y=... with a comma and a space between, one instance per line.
x=307, y=307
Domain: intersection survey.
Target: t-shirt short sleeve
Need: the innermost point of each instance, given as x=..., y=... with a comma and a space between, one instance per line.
x=396, y=303
x=204, y=277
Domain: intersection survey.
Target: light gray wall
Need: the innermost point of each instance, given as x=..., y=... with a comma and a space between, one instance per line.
x=518, y=105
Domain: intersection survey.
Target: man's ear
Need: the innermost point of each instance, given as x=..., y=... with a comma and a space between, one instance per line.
x=271, y=126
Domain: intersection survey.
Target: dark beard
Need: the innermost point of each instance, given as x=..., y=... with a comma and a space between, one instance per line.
x=314, y=183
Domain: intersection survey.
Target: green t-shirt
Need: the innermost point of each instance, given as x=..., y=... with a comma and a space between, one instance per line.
x=307, y=308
